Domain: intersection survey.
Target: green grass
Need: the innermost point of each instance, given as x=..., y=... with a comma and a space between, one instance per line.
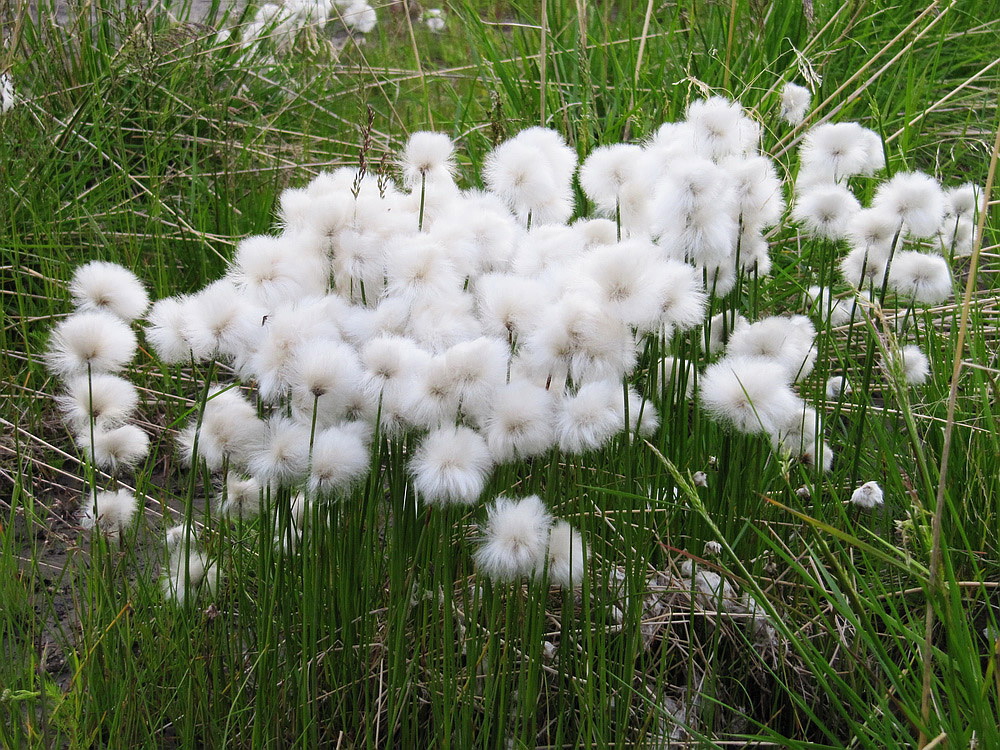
x=380, y=634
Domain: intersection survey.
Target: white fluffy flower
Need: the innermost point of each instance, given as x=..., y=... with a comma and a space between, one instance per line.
x=915, y=199
x=914, y=365
x=826, y=210
x=837, y=386
x=565, y=555
x=108, y=512
x=434, y=19
x=451, y=465
x=428, y=157
x=359, y=16
x=589, y=418
x=868, y=495
x=242, y=497
x=520, y=423
x=167, y=331
x=284, y=455
x=751, y=394
x=515, y=538
x=107, y=400
x=795, y=102
x=833, y=151
x=605, y=174
x=97, y=341
x=115, y=448
x=109, y=287
x=786, y=341
x=721, y=129
x=7, y=97
x=925, y=278
x=340, y=457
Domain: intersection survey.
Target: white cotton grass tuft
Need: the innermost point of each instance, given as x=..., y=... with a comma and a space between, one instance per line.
x=110, y=513
x=785, y=341
x=427, y=158
x=915, y=199
x=565, y=556
x=515, y=538
x=188, y=572
x=115, y=449
x=241, y=498
x=913, y=364
x=589, y=418
x=795, y=101
x=720, y=128
x=607, y=172
x=869, y=495
x=340, y=458
x=167, y=330
x=284, y=455
x=837, y=386
x=434, y=19
x=90, y=342
x=109, y=287
x=826, y=210
x=105, y=400
x=450, y=466
x=749, y=393
x=834, y=151
x=7, y=96
x=923, y=277
x=520, y=423
x=230, y=431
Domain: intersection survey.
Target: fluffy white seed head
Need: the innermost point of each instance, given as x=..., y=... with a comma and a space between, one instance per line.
x=860, y=268
x=750, y=394
x=868, y=495
x=565, y=556
x=451, y=465
x=588, y=419
x=837, y=387
x=795, y=102
x=167, y=331
x=605, y=174
x=913, y=364
x=516, y=534
x=284, y=455
x=340, y=458
x=787, y=342
x=109, y=287
x=242, y=497
x=107, y=400
x=108, y=512
x=924, y=278
x=826, y=210
x=721, y=129
x=520, y=423
x=915, y=199
x=94, y=341
x=428, y=157
x=115, y=449
x=833, y=151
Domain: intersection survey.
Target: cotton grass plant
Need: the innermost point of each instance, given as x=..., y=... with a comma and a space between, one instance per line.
x=526, y=444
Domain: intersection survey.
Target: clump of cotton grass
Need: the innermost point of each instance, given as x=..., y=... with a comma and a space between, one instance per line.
x=241, y=497
x=832, y=152
x=916, y=200
x=116, y=449
x=909, y=362
x=102, y=400
x=795, y=101
x=869, y=495
x=7, y=96
x=450, y=466
x=516, y=540
x=89, y=343
x=109, y=512
x=565, y=558
x=189, y=571
x=110, y=288
x=922, y=277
